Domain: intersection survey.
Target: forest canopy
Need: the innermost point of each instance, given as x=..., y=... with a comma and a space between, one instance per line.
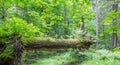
x=89, y=27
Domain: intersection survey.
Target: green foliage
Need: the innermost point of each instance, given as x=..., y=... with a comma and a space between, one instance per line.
x=18, y=26
x=11, y=27
x=99, y=57
x=117, y=49
x=110, y=23
x=15, y=26
x=7, y=52
x=102, y=57
x=50, y=16
x=51, y=57
x=60, y=19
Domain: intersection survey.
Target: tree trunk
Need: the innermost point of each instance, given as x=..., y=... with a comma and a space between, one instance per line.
x=58, y=44
x=114, y=40
x=44, y=44
x=97, y=17
x=97, y=24
x=82, y=26
x=114, y=32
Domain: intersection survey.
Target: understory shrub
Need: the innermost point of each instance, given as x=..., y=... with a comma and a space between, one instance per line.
x=101, y=57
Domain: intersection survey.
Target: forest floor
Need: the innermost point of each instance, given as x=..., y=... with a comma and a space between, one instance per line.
x=50, y=58
x=72, y=57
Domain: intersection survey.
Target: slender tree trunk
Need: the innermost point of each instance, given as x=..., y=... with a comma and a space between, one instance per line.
x=82, y=26
x=97, y=17
x=114, y=32
x=114, y=39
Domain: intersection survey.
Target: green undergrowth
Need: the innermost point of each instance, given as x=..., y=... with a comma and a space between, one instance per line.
x=75, y=57
x=7, y=52
x=101, y=57
x=117, y=49
x=52, y=58
x=55, y=60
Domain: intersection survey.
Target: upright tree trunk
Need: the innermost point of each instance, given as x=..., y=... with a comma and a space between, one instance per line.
x=82, y=26
x=114, y=32
x=97, y=17
x=114, y=39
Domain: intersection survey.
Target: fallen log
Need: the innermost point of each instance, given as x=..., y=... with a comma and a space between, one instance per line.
x=17, y=47
x=57, y=44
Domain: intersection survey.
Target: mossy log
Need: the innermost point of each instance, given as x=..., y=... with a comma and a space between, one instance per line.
x=57, y=44
x=14, y=58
